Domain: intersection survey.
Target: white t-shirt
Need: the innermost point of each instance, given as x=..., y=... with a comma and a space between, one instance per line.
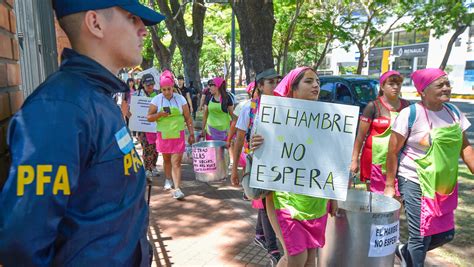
x=244, y=117
x=177, y=101
x=418, y=142
x=238, y=107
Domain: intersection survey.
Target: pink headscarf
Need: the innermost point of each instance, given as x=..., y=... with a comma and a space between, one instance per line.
x=250, y=87
x=386, y=75
x=218, y=81
x=284, y=87
x=423, y=78
x=166, y=79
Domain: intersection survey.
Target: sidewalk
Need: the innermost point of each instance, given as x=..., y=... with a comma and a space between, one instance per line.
x=212, y=226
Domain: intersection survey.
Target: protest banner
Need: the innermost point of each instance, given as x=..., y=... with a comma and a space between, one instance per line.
x=139, y=109
x=307, y=148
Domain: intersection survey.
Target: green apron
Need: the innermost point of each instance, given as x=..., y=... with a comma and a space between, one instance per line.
x=438, y=175
x=171, y=126
x=217, y=118
x=380, y=144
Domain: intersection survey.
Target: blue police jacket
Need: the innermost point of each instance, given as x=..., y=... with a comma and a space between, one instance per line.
x=75, y=192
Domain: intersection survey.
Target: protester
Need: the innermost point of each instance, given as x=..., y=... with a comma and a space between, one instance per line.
x=148, y=140
x=430, y=136
x=171, y=113
x=218, y=111
x=299, y=221
x=75, y=191
x=184, y=91
x=376, y=120
x=125, y=104
x=266, y=82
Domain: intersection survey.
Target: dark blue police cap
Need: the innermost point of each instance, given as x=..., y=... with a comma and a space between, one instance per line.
x=68, y=7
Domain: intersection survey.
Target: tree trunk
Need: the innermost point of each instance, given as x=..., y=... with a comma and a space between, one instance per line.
x=459, y=31
x=163, y=53
x=189, y=46
x=289, y=34
x=323, y=53
x=148, y=62
x=256, y=24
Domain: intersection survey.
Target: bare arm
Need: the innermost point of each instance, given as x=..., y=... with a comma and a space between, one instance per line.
x=204, y=119
x=359, y=141
x=153, y=115
x=397, y=141
x=188, y=98
x=467, y=153
x=239, y=143
x=189, y=123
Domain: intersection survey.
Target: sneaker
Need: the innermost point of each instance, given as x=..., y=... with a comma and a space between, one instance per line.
x=399, y=254
x=260, y=241
x=168, y=184
x=244, y=197
x=275, y=257
x=178, y=194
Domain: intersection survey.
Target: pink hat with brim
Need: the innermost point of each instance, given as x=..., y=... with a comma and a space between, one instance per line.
x=166, y=79
x=250, y=87
x=423, y=78
x=218, y=81
x=387, y=75
x=284, y=87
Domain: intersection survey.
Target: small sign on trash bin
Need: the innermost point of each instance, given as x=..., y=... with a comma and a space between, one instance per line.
x=383, y=239
x=204, y=159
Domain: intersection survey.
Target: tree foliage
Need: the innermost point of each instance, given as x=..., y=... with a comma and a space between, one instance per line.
x=441, y=16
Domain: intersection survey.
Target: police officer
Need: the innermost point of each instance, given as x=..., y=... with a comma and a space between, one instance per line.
x=75, y=192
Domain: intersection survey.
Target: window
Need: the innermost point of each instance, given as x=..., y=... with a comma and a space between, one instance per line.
x=366, y=91
x=405, y=38
x=422, y=36
x=343, y=94
x=327, y=91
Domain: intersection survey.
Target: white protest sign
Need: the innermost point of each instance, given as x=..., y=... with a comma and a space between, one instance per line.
x=156, y=75
x=139, y=109
x=383, y=239
x=307, y=148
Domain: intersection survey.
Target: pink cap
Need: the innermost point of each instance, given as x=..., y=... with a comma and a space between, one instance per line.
x=250, y=87
x=284, y=87
x=387, y=74
x=166, y=79
x=423, y=78
x=218, y=81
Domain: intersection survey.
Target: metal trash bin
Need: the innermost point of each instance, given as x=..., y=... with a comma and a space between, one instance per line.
x=188, y=153
x=210, y=160
x=364, y=233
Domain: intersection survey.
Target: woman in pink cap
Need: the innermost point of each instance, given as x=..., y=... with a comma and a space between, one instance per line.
x=430, y=136
x=171, y=113
x=299, y=221
x=374, y=132
x=218, y=111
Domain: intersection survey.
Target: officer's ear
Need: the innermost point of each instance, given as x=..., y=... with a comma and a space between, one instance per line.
x=95, y=21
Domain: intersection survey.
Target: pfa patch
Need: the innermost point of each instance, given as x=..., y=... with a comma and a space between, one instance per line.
x=124, y=140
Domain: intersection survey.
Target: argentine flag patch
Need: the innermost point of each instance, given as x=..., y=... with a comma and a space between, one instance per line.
x=124, y=140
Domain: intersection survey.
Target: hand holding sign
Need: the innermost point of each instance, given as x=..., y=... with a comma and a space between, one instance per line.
x=307, y=148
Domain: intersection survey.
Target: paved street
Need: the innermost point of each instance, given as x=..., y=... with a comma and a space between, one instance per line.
x=212, y=226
